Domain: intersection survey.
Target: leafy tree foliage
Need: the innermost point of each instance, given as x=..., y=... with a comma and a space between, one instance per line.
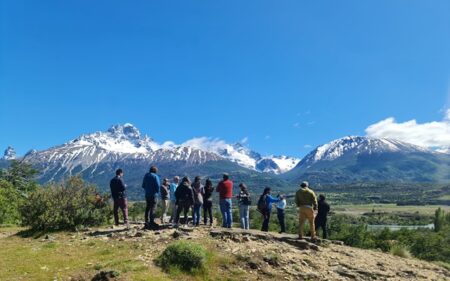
x=70, y=205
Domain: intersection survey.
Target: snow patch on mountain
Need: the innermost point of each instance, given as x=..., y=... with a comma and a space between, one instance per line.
x=10, y=153
x=126, y=142
x=359, y=145
x=244, y=156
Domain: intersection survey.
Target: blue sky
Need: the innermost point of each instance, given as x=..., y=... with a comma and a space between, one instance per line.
x=284, y=74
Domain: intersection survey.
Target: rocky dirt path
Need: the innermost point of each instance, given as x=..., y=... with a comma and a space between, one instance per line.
x=265, y=256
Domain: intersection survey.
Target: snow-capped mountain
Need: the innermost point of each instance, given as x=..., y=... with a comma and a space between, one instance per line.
x=96, y=156
x=354, y=158
x=358, y=145
x=9, y=153
x=124, y=143
x=245, y=157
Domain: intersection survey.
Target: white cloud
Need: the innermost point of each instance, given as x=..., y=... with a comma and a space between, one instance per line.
x=435, y=134
x=205, y=143
x=307, y=146
x=296, y=125
x=244, y=140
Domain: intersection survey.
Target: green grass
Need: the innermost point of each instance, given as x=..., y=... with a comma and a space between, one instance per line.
x=36, y=259
x=390, y=208
x=67, y=255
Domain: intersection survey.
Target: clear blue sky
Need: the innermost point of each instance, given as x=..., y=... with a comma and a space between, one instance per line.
x=282, y=73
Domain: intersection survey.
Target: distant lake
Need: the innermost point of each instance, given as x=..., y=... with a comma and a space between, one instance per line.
x=398, y=227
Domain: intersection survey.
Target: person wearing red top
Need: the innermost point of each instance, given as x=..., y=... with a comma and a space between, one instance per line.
x=225, y=189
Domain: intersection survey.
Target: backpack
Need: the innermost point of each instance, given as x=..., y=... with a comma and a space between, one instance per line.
x=247, y=201
x=262, y=206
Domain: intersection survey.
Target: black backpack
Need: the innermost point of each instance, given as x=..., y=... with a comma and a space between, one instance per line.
x=247, y=201
x=262, y=206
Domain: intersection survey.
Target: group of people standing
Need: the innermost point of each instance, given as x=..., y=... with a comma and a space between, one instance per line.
x=183, y=195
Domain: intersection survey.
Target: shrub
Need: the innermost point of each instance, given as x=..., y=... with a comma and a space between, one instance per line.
x=67, y=206
x=183, y=255
x=10, y=199
x=400, y=251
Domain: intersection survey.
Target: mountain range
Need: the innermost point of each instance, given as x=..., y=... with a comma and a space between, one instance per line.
x=350, y=159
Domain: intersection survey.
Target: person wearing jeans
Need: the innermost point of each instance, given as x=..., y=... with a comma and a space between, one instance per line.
x=225, y=189
x=165, y=193
x=269, y=200
x=173, y=199
x=207, y=192
x=119, y=195
x=244, y=206
x=152, y=186
x=281, y=206
x=225, y=209
x=197, y=188
x=185, y=199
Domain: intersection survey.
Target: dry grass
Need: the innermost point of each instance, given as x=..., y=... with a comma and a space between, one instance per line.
x=67, y=256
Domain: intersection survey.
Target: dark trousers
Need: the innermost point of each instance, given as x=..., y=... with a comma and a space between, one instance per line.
x=182, y=207
x=123, y=205
x=321, y=223
x=266, y=220
x=150, y=209
x=207, y=211
x=281, y=215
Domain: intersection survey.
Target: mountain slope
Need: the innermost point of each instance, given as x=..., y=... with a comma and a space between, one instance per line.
x=356, y=159
x=96, y=156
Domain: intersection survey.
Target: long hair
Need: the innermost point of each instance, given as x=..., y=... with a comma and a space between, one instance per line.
x=209, y=185
x=244, y=188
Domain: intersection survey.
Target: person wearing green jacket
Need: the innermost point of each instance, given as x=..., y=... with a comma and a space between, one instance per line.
x=306, y=201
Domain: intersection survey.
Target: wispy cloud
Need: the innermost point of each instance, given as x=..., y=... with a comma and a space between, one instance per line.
x=307, y=146
x=435, y=134
x=296, y=125
x=267, y=137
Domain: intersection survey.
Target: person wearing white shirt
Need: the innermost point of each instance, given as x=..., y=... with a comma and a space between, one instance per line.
x=281, y=206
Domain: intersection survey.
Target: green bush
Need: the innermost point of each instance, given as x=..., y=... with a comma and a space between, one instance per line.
x=10, y=200
x=183, y=255
x=68, y=206
x=400, y=251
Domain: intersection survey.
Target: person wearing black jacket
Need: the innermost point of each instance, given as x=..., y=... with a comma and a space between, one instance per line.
x=321, y=218
x=185, y=199
x=207, y=193
x=119, y=195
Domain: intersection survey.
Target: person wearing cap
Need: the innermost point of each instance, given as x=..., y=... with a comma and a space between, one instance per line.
x=173, y=200
x=225, y=189
x=306, y=201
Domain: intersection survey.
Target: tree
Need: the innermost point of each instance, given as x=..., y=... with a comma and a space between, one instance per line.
x=21, y=175
x=439, y=219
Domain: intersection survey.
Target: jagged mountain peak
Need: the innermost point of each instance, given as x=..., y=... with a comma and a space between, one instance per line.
x=127, y=130
x=358, y=145
x=10, y=153
x=357, y=158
